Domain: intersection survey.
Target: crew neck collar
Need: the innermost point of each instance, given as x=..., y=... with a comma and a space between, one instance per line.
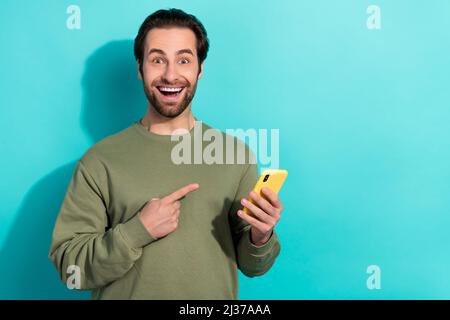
x=162, y=137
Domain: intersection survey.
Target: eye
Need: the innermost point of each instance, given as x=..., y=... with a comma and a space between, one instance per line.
x=184, y=61
x=157, y=60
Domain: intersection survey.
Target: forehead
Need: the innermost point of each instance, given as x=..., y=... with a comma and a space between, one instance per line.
x=170, y=39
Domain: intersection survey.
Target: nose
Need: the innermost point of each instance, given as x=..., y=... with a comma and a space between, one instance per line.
x=170, y=73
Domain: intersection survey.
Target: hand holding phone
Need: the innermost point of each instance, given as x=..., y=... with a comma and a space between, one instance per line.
x=272, y=179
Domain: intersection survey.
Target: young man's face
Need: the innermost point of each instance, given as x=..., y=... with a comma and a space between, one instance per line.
x=170, y=69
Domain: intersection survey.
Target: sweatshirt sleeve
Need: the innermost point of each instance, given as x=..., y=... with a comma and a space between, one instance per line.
x=251, y=260
x=82, y=236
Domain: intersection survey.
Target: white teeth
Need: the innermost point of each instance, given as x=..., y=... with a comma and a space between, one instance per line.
x=167, y=89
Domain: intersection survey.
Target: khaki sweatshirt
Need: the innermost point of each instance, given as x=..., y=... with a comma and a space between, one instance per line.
x=98, y=231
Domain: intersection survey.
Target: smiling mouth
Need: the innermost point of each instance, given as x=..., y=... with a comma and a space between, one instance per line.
x=170, y=92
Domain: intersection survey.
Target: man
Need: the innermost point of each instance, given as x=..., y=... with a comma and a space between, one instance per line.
x=135, y=224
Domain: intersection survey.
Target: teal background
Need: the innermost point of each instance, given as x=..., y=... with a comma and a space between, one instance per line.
x=363, y=117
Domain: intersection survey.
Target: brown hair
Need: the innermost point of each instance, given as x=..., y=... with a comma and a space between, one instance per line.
x=171, y=18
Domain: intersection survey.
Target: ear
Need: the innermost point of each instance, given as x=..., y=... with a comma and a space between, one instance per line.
x=138, y=70
x=201, y=72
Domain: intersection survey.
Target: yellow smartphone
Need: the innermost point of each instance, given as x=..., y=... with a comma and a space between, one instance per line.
x=269, y=178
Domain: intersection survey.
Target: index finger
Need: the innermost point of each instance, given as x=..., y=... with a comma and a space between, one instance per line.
x=180, y=193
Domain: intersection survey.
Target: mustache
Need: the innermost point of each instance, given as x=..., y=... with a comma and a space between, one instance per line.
x=159, y=83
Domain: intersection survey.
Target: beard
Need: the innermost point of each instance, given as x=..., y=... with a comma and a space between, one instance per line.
x=170, y=109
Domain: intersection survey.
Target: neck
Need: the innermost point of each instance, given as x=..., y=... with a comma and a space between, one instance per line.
x=162, y=125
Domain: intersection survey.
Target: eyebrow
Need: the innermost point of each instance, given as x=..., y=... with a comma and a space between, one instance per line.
x=155, y=50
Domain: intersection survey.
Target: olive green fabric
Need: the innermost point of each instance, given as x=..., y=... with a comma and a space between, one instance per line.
x=99, y=231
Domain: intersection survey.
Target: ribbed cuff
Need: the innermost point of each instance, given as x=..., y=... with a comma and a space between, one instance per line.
x=135, y=233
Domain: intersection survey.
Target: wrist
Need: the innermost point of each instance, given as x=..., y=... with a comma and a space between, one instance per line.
x=258, y=239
